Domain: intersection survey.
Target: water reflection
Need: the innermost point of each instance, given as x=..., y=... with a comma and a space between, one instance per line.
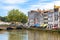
x=41, y=35
x=4, y=35
x=28, y=35
x=18, y=35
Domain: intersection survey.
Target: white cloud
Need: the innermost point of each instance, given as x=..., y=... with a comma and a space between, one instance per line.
x=14, y=1
x=49, y=6
x=9, y=7
x=42, y=6
x=57, y=2
x=32, y=7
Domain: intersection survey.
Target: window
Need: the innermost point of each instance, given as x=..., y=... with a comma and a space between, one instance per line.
x=50, y=25
x=50, y=19
x=44, y=15
x=45, y=18
x=45, y=22
x=50, y=15
x=55, y=13
x=56, y=18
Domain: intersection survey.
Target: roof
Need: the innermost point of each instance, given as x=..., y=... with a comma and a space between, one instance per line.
x=42, y=11
x=38, y=10
x=45, y=11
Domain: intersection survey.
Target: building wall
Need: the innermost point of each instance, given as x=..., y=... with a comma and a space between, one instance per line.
x=41, y=19
x=31, y=18
x=45, y=17
x=59, y=20
x=50, y=18
x=35, y=18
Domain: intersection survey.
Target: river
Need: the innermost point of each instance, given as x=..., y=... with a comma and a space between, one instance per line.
x=28, y=35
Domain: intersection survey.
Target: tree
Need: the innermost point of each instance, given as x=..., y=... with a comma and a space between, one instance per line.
x=3, y=18
x=24, y=18
x=13, y=15
x=16, y=16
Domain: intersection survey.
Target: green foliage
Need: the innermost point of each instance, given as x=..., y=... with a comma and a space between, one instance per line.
x=3, y=19
x=13, y=15
x=17, y=16
x=24, y=19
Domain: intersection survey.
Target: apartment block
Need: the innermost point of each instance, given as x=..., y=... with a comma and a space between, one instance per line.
x=50, y=17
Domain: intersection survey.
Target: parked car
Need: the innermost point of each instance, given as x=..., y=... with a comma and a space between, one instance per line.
x=55, y=27
x=43, y=25
x=36, y=25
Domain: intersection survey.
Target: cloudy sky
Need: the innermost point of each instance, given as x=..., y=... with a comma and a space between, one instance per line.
x=26, y=5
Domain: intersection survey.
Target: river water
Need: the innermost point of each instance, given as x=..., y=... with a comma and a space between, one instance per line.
x=28, y=35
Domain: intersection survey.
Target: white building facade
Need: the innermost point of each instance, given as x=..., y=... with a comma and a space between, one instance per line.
x=50, y=17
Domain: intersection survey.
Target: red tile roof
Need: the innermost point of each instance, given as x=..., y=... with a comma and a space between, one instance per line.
x=44, y=11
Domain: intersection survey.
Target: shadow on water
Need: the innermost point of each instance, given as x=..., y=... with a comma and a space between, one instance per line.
x=28, y=35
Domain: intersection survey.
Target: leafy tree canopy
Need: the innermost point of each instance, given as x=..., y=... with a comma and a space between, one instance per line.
x=17, y=16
